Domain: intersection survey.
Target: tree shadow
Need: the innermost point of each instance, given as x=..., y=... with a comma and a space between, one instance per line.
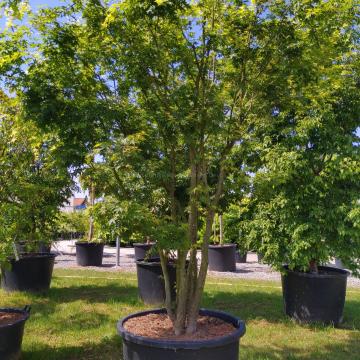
x=89, y=296
x=109, y=293
x=108, y=349
x=346, y=349
x=261, y=305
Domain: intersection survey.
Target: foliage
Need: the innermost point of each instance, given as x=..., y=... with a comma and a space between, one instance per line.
x=233, y=230
x=129, y=221
x=34, y=182
x=75, y=222
x=304, y=204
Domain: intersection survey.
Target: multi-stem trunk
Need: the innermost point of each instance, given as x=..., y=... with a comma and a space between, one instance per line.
x=191, y=279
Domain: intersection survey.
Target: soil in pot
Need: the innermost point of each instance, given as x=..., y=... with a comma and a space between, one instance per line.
x=89, y=254
x=151, y=283
x=311, y=297
x=217, y=337
x=159, y=326
x=32, y=272
x=12, y=322
x=222, y=257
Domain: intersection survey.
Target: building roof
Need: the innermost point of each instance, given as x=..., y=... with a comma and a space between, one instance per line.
x=78, y=201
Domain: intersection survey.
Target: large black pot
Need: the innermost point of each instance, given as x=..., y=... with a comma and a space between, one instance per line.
x=310, y=297
x=151, y=282
x=11, y=335
x=89, y=254
x=222, y=257
x=141, y=251
x=260, y=257
x=32, y=272
x=142, y=348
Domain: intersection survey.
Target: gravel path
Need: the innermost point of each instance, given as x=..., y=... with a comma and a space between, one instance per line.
x=251, y=270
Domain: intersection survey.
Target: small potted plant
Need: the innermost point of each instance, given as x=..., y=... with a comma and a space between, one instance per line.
x=232, y=232
x=305, y=211
x=222, y=257
x=90, y=249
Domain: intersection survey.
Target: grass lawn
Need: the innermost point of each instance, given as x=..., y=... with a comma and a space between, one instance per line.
x=77, y=318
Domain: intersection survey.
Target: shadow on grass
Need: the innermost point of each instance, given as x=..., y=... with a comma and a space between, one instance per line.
x=259, y=305
x=88, y=296
x=109, y=293
x=346, y=349
x=108, y=349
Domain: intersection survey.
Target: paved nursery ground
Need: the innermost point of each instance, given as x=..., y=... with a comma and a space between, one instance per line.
x=251, y=270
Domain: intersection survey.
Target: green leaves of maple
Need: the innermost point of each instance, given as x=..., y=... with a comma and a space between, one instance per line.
x=34, y=179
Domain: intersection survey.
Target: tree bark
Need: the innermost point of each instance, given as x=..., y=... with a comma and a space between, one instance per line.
x=91, y=220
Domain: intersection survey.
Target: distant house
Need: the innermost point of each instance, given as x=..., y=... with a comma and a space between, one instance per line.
x=79, y=203
x=75, y=204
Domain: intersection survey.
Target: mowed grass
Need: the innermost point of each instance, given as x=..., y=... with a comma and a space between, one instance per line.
x=77, y=319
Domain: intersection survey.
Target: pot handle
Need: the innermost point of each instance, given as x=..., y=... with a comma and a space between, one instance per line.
x=27, y=309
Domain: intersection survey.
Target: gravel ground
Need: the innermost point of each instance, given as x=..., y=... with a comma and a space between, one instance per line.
x=251, y=270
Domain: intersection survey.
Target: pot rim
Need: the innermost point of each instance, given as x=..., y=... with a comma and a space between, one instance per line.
x=184, y=344
x=213, y=246
x=25, y=312
x=87, y=243
x=34, y=255
x=144, y=244
x=152, y=262
x=336, y=272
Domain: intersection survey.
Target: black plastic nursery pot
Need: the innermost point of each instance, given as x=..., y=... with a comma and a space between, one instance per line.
x=141, y=251
x=222, y=257
x=241, y=257
x=310, y=297
x=11, y=335
x=151, y=283
x=32, y=272
x=89, y=254
x=141, y=348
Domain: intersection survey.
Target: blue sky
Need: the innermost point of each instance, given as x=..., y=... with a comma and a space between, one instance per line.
x=35, y=5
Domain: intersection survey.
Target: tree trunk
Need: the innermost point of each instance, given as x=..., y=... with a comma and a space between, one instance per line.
x=313, y=266
x=221, y=230
x=91, y=220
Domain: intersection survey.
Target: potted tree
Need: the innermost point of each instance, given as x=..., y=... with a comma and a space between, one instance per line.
x=222, y=257
x=35, y=183
x=187, y=85
x=232, y=231
x=304, y=207
x=90, y=249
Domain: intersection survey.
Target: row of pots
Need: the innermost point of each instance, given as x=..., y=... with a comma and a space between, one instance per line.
x=221, y=258
x=307, y=298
